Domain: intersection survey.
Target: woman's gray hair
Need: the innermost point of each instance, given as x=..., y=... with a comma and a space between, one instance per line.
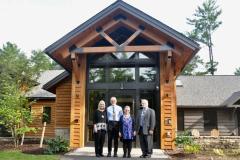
x=127, y=107
x=102, y=101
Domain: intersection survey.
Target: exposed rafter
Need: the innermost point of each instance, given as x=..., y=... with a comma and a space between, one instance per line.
x=113, y=42
x=108, y=38
x=132, y=37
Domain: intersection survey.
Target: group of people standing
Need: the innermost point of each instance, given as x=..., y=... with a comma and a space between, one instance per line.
x=118, y=123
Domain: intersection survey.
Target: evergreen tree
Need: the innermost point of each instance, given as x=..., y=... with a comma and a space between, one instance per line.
x=205, y=22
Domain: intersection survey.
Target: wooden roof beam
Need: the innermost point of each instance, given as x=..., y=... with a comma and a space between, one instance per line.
x=133, y=36
x=107, y=37
x=168, y=65
x=95, y=34
x=75, y=66
x=144, y=48
x=149, y=34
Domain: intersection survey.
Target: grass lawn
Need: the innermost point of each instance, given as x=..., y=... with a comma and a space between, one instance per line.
x=17, y=155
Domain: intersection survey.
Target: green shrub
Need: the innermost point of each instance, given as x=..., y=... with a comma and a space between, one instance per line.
x=57, y=145
x=184, y=139
x=192, y=148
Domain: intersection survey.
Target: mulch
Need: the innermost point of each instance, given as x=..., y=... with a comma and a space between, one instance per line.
x=26, y=148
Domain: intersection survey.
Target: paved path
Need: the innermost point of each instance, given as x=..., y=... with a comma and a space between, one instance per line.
x=87, y=153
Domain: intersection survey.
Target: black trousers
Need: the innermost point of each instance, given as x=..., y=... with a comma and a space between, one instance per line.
x=146, y=142
x=127, y=146
x=99, y=139
x=113, y=130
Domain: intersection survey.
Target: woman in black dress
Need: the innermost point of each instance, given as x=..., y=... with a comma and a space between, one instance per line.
x=100, y=128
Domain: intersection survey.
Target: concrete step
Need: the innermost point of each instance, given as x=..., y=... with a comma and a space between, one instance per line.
x=135, y=153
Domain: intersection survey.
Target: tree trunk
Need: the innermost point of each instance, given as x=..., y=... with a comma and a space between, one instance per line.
x=211, y=56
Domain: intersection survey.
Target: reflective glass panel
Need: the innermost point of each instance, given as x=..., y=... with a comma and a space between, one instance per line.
x=96, y=75
x=122, y=74
x=143, y=56
x=94, y=97
x=147, y=74
x=123, y=55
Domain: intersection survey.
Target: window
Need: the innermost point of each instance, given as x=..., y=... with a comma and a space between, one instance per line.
x=147, y=74
x=143, y=56
x=122, y=74
x=123, y=55
x=180, y=120
x=94, y=97
x=46, y=117
x=210, y=120
x=237, y=102
x=96, y=75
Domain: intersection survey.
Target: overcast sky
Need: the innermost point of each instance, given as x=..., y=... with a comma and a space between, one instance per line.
x=35, y=24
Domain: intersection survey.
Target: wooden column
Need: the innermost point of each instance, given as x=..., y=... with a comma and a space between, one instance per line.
x=77, y=120
x=168, y=109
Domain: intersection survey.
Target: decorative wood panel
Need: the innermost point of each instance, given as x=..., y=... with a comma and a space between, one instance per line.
x=77, y=121
x=168, y=109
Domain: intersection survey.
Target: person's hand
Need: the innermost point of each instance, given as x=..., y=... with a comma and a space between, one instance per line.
x=120, y=135
x=151, y=132
x=134, y=133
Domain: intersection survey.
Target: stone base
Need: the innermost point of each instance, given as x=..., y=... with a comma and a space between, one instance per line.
x=221, y=142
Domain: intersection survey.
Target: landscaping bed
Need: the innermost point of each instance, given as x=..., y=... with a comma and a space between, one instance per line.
x=25, y=152
x=228, y=154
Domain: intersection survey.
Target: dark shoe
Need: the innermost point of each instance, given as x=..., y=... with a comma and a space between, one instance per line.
x=129, y=156
x=115, y=155
x=148, y=156
x=142, y=156
x=109, y=155
x=97, y=155
x=101, y=155
x=124, y=156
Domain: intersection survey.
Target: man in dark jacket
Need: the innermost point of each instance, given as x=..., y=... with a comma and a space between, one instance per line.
x=145, y=124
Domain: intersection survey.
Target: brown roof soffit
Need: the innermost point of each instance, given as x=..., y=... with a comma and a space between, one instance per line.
x=55, y=81
x=131, y=10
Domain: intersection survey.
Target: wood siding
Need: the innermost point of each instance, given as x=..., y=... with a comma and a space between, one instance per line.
x=63, y=104
x=168, y=105
x=37, y=111
x=77, y=122
x=193, y=119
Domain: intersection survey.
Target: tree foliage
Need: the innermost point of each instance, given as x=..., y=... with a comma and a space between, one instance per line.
x=15, y=68
x=40, y=62
x=237, y=72
x=195, y=67
x=205, y=22
x=17, y=75
x=15, y=114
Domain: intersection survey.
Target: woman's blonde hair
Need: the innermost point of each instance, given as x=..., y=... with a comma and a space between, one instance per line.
x=102, y=101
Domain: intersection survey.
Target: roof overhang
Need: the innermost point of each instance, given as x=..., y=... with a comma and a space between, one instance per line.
x=59, y=50
x=52, y=83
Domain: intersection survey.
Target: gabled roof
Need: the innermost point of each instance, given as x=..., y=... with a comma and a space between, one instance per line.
x=133, y=11
x=37, y=92
x=55, y=80
x=208, y=91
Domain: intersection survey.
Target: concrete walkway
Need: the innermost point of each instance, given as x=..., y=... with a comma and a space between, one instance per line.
x=87, y=153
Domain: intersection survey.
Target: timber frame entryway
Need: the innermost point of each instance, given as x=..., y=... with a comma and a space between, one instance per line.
x=124, y=52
